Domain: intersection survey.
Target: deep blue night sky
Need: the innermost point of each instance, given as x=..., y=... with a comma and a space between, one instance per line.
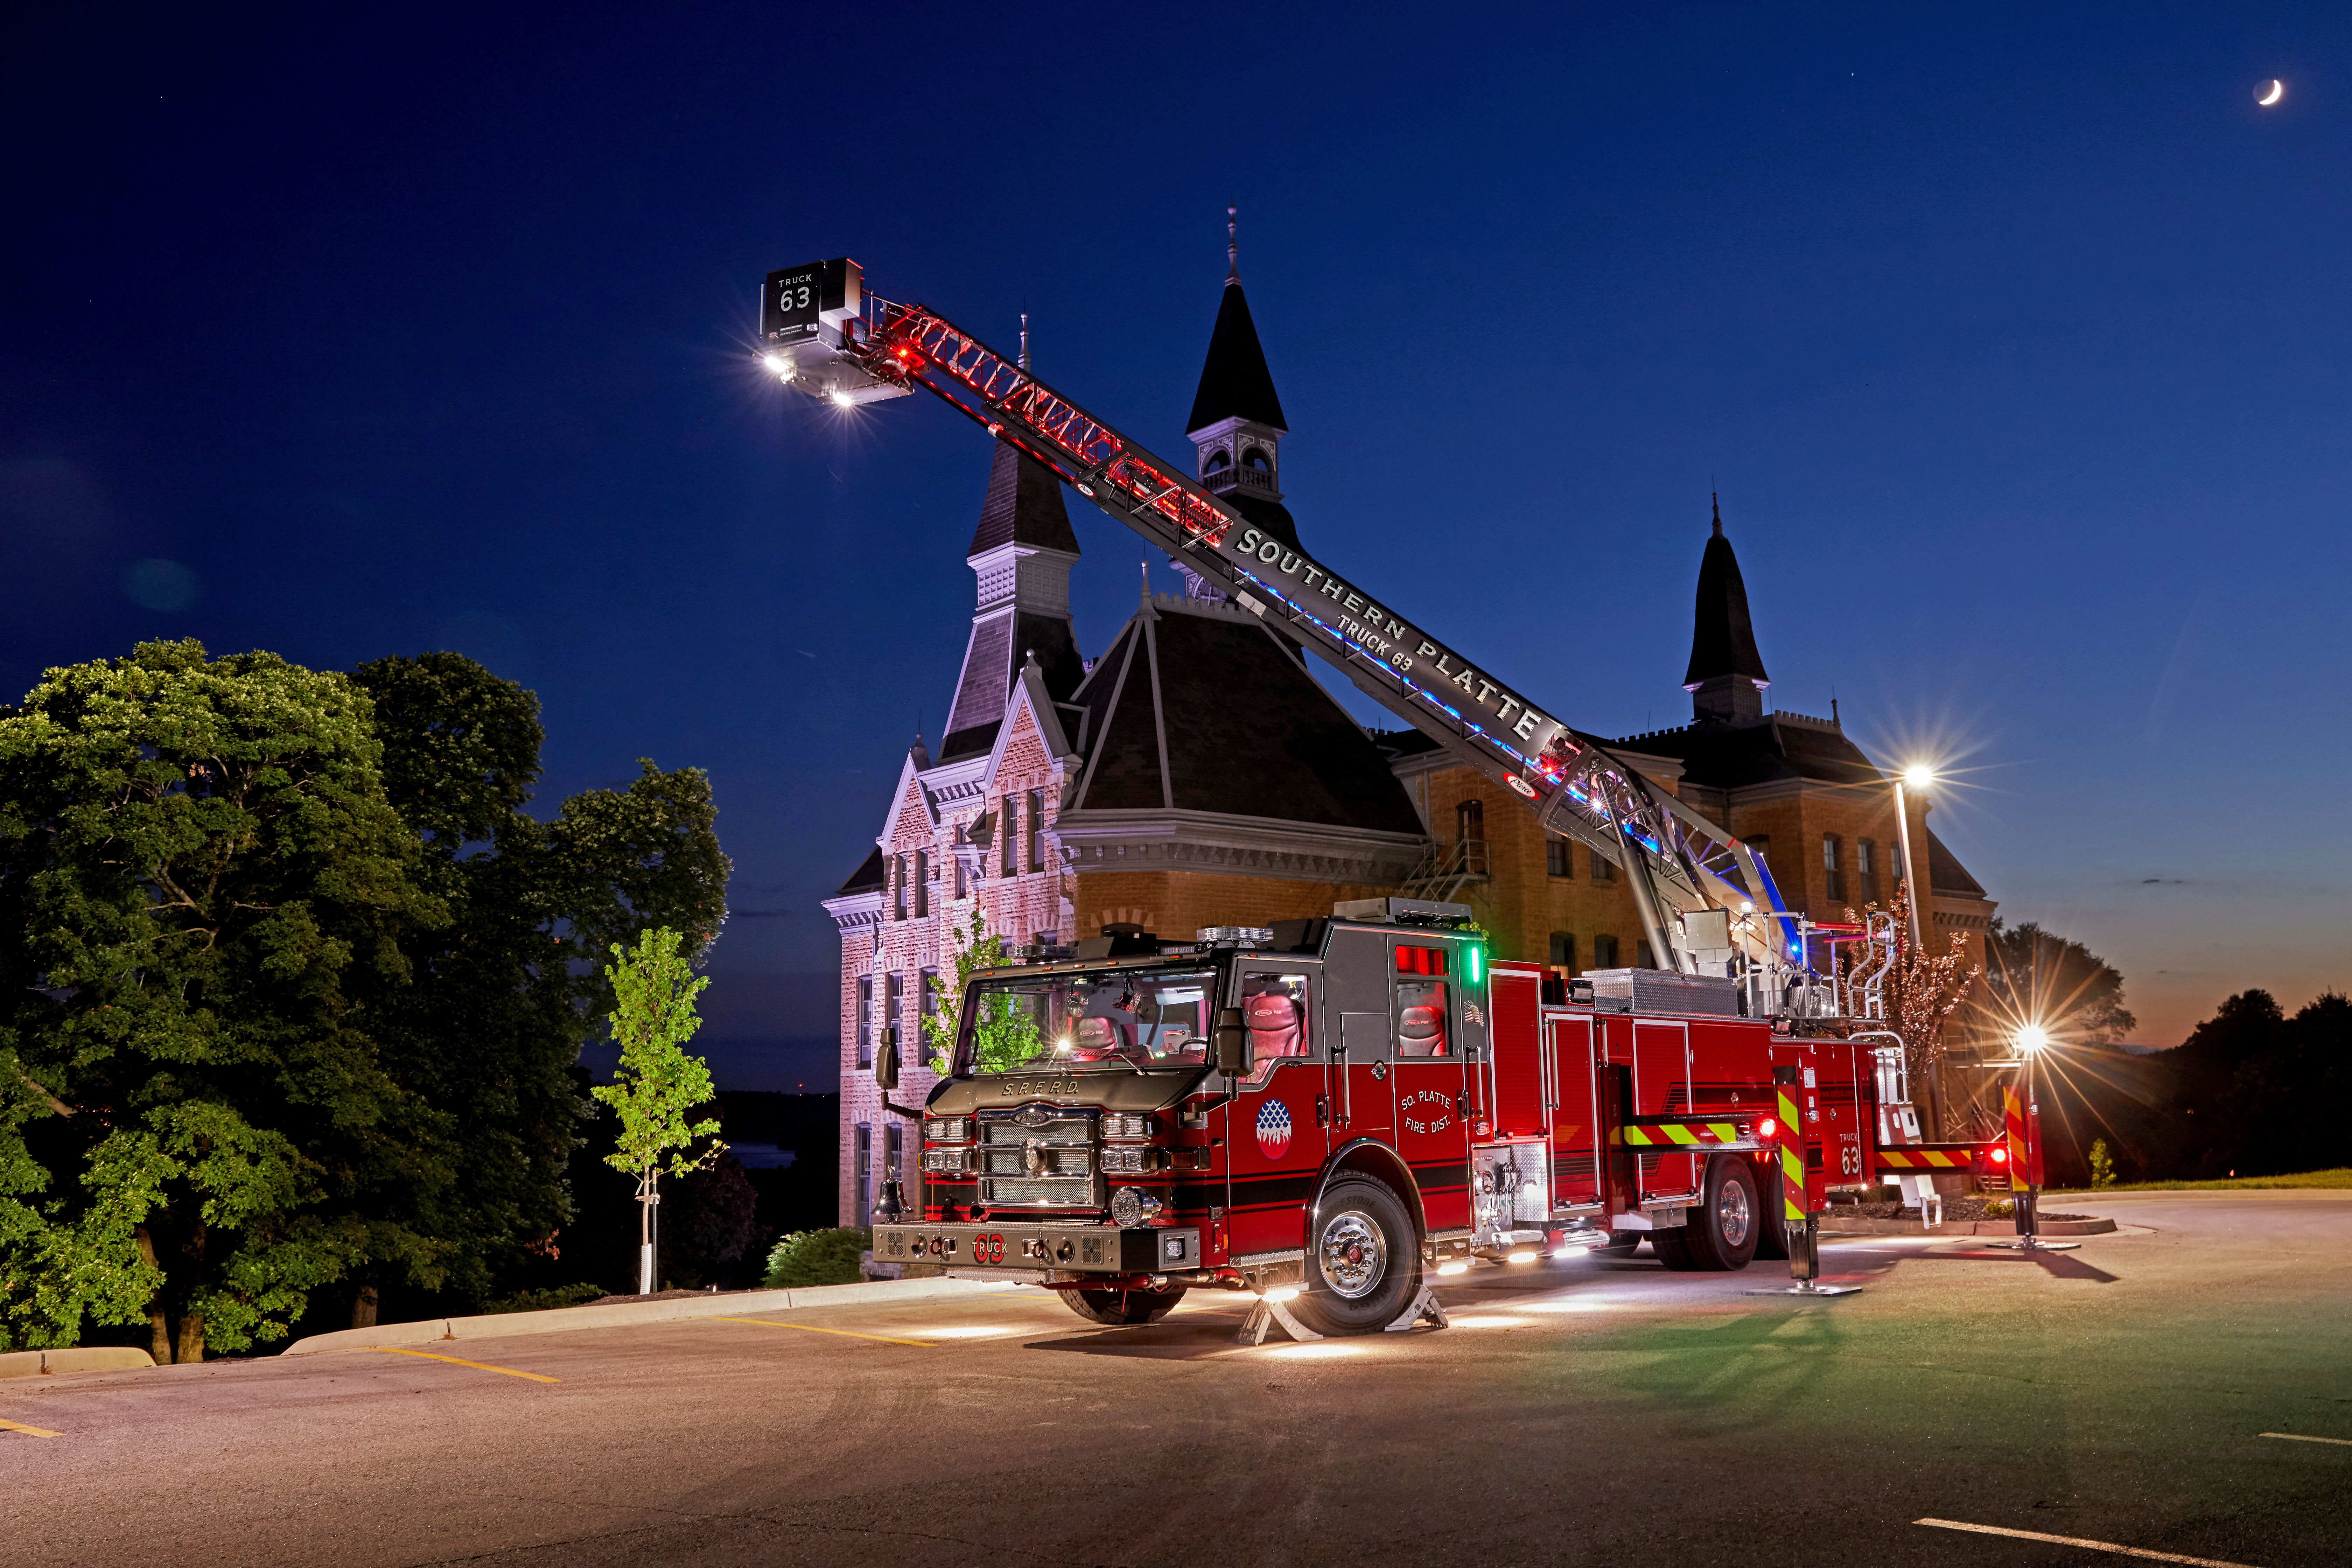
x=2014, y=338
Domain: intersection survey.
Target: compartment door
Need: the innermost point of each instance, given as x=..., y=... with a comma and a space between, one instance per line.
x=1574, y=1092
x=1662, y=1087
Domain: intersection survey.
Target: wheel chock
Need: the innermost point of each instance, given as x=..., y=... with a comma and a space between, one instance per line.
x=1425, y=1304
x=1263, y=1317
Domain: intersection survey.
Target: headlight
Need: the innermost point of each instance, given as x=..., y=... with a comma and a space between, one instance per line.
x=948, y=1130
x=1130, y=1161
x=1124, y=1126
x=1132, y=1206
x=947, y=1162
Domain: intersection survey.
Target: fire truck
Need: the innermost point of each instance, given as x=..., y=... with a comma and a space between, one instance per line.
x=1329, y=1113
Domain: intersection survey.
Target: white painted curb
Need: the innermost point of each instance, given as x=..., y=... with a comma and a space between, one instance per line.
x=563, y=1320
x=87, y=1358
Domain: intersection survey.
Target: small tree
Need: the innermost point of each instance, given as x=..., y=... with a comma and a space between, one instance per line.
x=2102, y=1165
x=1921, y=991
x=656, y=1083
x=976, y=948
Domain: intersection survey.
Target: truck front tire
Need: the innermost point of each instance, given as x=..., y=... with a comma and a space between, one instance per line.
x=1124, y=1308
x=1363, y=1259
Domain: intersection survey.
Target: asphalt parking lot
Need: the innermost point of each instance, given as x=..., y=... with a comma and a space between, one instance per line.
x=2181, y=1388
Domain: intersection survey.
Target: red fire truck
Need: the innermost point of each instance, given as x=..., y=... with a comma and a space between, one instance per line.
x=1339, y=1110
x=1331, y=1110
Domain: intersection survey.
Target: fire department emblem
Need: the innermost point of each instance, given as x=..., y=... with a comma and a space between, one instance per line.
x=1274, y=1129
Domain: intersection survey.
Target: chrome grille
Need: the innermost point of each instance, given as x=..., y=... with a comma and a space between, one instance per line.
x=1038, y=1157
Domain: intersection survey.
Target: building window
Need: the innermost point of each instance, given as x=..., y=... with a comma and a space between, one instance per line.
x=893, y=1154
x=928, y=998
x=864, y=1021
x=1559, y=855
x=1865, y=869
x=1470, y=824
x=1036, y=830
x=1563, y=950
x=862, y=1162
x=1011, y=827
x=1602, y=871
x=1605, y=952
x=896, y=993
x=1832, y=865
x=959, y=889
x=922, y=889
x=1641, y=959
x=898, y=886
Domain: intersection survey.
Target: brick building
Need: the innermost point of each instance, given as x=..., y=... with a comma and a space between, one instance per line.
x=1070, y=794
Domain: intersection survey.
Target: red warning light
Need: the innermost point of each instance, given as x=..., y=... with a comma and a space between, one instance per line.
x=1766, y=1127
x=2000, y=1156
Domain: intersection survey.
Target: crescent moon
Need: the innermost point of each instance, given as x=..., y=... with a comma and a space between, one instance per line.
x=2272, y=93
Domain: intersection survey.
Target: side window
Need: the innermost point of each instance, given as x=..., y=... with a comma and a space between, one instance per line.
x=1563, y=950
x=1274, y=1006
x=1423, y=1016
x=1604, y=952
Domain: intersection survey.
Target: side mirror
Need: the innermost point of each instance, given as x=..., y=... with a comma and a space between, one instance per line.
x=886, y=1062
x=1233, y=1043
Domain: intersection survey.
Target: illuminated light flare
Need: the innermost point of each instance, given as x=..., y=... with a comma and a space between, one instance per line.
x=1767, y=1128
x=1280, y=1293
x=1526, y=1254
x=1448, y=1270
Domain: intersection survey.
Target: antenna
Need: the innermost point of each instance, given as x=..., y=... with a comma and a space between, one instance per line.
x=1025, y=340
x=1232, y=248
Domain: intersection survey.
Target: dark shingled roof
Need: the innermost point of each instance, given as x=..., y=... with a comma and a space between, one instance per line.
x=1247, y=731
x=1947, y=875
x=1024, y=506
x=869, y=878
x=1777, y=746
x=1000, y=645
x=1234, y=382
x=1723, y=639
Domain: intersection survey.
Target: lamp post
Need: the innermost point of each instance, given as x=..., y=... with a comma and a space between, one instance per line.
x=1918, y=776
x=2022, y=1115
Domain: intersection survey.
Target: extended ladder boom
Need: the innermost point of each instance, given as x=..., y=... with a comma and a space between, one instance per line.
x=825, y=335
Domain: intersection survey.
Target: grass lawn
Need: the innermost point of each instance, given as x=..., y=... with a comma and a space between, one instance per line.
x=2339, y=1177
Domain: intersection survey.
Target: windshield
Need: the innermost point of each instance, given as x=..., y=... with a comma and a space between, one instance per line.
x=1118, y=1019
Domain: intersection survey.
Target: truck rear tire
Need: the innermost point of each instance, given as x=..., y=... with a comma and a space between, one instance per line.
x=1124, y=1308
x=1363, y=1262
x=1673, y=1247
x=1724, y=1229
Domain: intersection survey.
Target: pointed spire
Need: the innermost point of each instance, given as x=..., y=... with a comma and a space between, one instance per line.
x=919, y=752
x=1025, y=340
x=1726, y=678
x=1234, y=382
x=1713, y=496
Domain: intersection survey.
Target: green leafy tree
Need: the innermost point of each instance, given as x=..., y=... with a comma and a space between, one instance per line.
x=998, y=1031
x=203, y=891
x=504, y=995
x=656, y=1083
x=2103, y=1166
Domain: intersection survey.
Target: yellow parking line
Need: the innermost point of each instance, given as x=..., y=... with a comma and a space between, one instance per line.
x=478, y=1366
x=2140, y=1551
x=812, y=1329
x=2299, y=1438
x=28, y=1431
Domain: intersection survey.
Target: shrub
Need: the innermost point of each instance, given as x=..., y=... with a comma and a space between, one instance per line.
x=817, y=1258
x=2000, y=1208
x=2102, y=1165
x=544, y=1300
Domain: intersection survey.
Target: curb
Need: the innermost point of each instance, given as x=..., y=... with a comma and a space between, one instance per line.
x=563, y=1320
x=1965, y=1227
x=87, y=1358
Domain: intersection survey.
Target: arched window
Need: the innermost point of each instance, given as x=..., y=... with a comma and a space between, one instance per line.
x=1220, y=458
x=1254, y=458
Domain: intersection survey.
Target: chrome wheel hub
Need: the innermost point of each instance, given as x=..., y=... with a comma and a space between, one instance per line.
x=1353, y=1255
x=1732, y=1216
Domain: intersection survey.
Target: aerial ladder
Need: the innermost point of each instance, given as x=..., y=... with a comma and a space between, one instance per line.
x=1705, y=899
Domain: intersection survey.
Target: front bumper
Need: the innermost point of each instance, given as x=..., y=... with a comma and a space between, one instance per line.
x=1043, y=1244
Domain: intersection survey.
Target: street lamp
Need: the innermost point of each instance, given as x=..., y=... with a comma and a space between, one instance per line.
x=2025, y=1146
